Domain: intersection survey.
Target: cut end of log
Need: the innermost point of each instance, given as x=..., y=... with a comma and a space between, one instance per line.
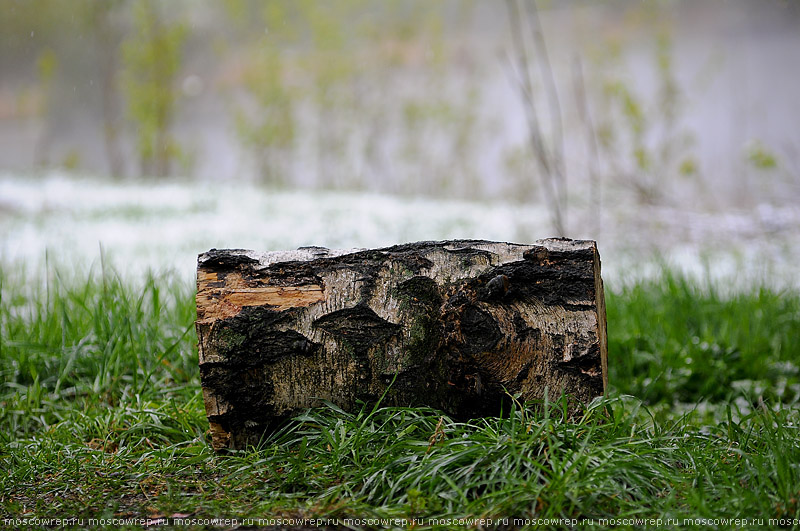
x=455, y=325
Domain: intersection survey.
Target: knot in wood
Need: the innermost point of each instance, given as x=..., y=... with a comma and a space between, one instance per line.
x=497, y=287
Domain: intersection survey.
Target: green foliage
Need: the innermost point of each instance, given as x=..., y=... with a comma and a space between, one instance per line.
x=688, y=167
x=47, y=64
x=760, y=157
x=71, y=160
x=152, y=58
x=102, y=416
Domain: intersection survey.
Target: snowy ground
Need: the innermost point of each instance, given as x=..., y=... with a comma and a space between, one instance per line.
x=160, y=226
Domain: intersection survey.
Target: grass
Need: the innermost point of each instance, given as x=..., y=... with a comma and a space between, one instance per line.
x=101, y=416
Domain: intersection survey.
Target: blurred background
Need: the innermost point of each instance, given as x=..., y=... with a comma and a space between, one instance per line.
x=149, y=131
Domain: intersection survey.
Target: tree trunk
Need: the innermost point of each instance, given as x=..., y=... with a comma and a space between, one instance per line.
x=455, y=325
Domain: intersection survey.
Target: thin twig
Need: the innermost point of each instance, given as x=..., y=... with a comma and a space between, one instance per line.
x=591, y=140
x=558, y=166
x=525, y=84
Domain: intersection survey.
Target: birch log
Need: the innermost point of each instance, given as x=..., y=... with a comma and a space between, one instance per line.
x=456, y=325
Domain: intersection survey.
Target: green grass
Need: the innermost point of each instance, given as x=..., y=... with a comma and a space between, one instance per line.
x=101, y=416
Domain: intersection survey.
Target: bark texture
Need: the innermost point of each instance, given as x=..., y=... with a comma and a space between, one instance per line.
x=454, y=325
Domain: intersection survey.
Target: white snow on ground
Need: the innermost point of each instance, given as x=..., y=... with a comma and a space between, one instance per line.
x=157, y=226
x=165, y=225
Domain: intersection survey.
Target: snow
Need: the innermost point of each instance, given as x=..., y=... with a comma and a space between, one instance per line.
x=166, y=225
x=141, y=226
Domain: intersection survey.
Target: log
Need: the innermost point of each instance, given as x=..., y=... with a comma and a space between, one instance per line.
x=455, y=325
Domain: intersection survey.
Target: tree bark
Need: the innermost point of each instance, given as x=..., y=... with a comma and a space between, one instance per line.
x=455, y=325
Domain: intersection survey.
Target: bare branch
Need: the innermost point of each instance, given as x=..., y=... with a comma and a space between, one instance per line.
x=553, y=192
x=558, y=166
x=591, y=140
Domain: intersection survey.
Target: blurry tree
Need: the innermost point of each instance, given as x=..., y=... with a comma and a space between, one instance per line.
x=358, y=86
x=642, y=138
x=46, y=65
x=595, y=210
x=530, y=50
x=108, y=35
x=51, y=70
x=265, y=123
x=441, y=116
x=31, y=37
x=332, y=67
x=152, y=58
x=27, y=27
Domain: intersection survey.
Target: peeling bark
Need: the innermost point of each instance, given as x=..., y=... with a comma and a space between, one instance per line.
x=455, y=325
